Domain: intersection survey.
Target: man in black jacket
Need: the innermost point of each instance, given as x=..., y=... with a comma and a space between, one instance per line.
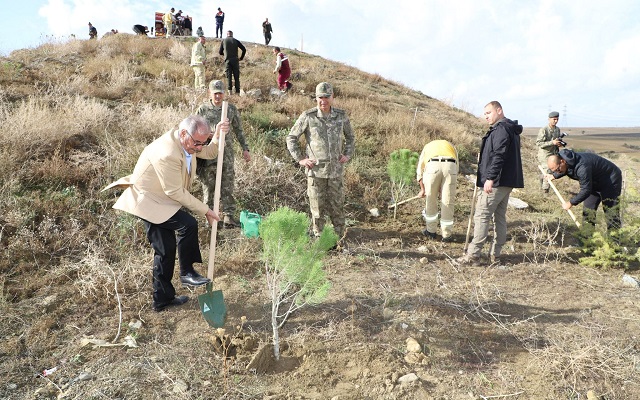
x=600, y=182
x=499, y=171
x=229, y=49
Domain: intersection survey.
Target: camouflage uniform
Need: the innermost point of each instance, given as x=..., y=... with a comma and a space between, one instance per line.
x=546, y=148
x=206, y=170
x=327, y=139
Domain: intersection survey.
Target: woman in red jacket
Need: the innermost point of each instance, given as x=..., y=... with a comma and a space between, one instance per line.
x=283, y=69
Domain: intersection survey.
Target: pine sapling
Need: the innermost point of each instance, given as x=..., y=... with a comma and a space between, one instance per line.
x=402, y=171
x=293, y=265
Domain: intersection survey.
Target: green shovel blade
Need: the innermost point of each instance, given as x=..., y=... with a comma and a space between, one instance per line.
x=212, y=307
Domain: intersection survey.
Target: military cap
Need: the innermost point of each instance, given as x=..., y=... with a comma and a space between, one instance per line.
x=554, y=114
x=324, y=89
x=216, y=87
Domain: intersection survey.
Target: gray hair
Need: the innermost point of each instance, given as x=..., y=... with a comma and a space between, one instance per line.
x=194, y=123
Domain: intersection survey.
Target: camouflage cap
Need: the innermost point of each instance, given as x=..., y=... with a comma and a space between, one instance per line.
x=216, y=87
x=324, y=89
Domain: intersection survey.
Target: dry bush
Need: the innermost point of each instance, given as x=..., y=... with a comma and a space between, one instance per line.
x=180, y=52
x=96, y=278
x=588, y=356
x=48, y=119
x=547, y=242
x=263, y=185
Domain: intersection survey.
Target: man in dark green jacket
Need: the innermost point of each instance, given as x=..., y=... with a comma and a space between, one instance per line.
x=229, y=49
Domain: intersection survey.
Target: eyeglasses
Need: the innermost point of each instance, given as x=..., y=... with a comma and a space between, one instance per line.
x=197, y=143
x=557, y=169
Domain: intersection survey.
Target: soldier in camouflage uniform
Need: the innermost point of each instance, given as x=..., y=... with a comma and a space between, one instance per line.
x=212, y=111
x=548, y=143
x=329, y=145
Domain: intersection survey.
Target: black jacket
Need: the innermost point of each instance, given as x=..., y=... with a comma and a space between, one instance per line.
x=500, y=155
x=595, y=174
x=229, y=48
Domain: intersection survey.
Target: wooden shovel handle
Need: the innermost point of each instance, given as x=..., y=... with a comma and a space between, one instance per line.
x=403, y=201
x=573, y=217
x=216, y=195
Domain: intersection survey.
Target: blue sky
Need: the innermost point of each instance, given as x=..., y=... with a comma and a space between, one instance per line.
x=534, y=56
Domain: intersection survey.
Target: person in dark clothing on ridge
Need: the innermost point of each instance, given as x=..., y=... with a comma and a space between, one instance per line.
x=266, y=31
x=140, y=30
x=93, y=32
x=600, y=182
x=499, y=171
x=229, y=49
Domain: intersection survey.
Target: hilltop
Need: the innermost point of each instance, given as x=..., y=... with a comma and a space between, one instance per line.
x=76, y=275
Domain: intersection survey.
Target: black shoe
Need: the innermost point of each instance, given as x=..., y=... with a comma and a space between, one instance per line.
x=430, y=235
x=194, y=279
x=448, y=239
x=177, y=301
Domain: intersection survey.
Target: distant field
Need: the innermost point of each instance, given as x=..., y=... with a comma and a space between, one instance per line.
x=600, y=140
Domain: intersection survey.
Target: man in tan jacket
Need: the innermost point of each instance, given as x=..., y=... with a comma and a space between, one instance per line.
x=157, y=192
x=198, y=62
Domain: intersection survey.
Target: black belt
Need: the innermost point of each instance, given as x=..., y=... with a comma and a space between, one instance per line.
x=443, y=159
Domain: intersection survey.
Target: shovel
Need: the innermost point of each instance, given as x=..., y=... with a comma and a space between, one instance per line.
x=473, y=210
x=573, y=217
x=402, y=202
x=211, y=302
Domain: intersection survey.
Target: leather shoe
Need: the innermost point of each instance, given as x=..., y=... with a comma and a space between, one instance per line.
x=194, y=279
x=177, y=301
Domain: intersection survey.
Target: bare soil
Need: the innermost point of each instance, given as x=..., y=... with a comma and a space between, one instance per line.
x=539, y=326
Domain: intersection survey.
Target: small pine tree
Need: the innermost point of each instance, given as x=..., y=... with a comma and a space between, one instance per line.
x=402, y=171
x=619, y=247
x=293, y=265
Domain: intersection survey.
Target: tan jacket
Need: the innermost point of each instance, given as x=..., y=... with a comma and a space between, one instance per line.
x=159, y=185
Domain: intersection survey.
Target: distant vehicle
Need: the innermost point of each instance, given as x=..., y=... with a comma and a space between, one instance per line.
x=178, y=28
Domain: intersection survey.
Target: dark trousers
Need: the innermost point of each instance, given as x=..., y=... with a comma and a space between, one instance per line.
x=232, y=68
x=219, y=26
x=183, y=227
x=610, y=204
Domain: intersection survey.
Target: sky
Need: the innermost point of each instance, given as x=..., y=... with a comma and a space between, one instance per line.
x=577, y=57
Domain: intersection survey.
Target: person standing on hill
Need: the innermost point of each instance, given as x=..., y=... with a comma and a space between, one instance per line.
x=158, y=193
x=283, y=69
x=199, y=31
x=219, y=22
x=188, y=28
x=330, y=143
x=600, y=182
x=266, y=31
x=93, y=32
x=437, y=174
x=229, y=49
x=548, y=143
x=198, y=61
x=499, y=171
x=167, y=19
x=211, y=110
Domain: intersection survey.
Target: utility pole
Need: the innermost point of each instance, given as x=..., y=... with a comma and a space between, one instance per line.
x=564, y=115
x=302, y=42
